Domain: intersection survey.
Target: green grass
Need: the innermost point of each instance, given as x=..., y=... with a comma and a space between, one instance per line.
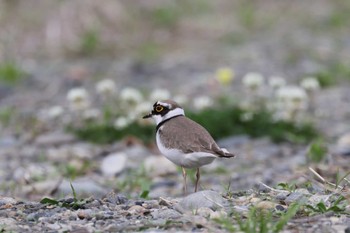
x=317, y=151
x=75, y=204
x=89, y=42
x=137, y=180
x=105, y=133
x=220, y=123
x=228, y=121
x=258, y=221
x=10, y=73
x=333, y=74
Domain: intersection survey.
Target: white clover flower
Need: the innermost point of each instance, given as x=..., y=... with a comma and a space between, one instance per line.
x=121, y=122
x=202, y=102
x=129, y=94
x=78, y=99
x=106, y=87
x=253, y=80
x=247, y=116
x=159, y=94
x=292, y=97
x=276, y=82
x=55, y=112
x=181, y=100
x=91, y=114
x=224, y=75
x=143, y=107
x=310, y=84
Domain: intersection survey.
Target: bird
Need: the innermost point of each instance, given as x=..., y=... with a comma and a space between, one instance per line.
x=182, y=140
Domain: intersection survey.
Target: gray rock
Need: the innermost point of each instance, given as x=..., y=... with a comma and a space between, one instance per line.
x=204, y=212
x=84, y=187
x=165, y=214
x=82, y=151
x=7, y=201
x=8, y=141
x=281, y=196
x=8, y=225
x=343, y=144
x=54, y=139
x=85, y=214
x=113, y=164
x=114, y=198
x=315, y=199
x=205, y=198
x=296, y=197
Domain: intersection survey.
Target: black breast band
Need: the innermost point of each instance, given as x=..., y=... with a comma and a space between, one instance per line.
x=162, y=122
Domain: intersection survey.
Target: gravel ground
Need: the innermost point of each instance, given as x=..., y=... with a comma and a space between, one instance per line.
x=35, y=162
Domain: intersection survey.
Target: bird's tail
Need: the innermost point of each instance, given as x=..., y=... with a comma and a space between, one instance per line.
x=226, y=154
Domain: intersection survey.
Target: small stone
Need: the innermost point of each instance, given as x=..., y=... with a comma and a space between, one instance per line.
x=7, y=201
x=159, y=165
x=54, y=226
x=204, y=212
x=343, y=144
x=315, y=199
x=205, y=198
x=165, y=214
x=303, y=191
x=265, y=205
x=281, y=196
x=280, y=208
x=83, y=186
x=113, y=164
x=114, y=198
x=255, y=200
x=347, y=230
x=218, y=214
x=8, y=225
x=151, y=204
x=85, y=214
x=54, y=139
x=137, y=210
x=295, y=197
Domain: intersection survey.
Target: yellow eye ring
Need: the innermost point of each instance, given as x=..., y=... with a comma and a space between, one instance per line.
x=159, y=108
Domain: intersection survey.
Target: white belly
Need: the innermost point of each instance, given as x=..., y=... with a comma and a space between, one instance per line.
x=191, y=160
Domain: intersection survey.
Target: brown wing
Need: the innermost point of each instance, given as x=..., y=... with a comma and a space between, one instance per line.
x=190, y=137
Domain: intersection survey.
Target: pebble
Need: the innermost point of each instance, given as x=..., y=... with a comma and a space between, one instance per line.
x=113, y=164
x=114, y=198
x=315, y=199
x=343, y=144
x=84, y=187
x=204, y=212
x=137, y=210
x=7, y=201
x=296, y=197
x=265, y=205
x=165, y=214
x=81, y=151
x=54, y=139
x=85, y=214
x=281, y=196
x=205, y=198
x=218, y=214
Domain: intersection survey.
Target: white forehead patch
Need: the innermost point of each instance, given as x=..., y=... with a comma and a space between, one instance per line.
x=164, y=104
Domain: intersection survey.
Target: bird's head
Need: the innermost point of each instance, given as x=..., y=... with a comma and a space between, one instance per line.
x=163, y=110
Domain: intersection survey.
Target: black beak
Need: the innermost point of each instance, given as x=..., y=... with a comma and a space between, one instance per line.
x=147, y=116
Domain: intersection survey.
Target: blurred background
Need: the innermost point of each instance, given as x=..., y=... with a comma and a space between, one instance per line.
x=75, y=76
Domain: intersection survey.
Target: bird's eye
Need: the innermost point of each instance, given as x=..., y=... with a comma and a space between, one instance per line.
x=159, y=108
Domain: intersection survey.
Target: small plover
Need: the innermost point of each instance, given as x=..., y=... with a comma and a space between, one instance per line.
x=182, y=140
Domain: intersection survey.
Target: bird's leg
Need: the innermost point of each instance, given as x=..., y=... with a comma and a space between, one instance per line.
x=184, y=176
x=198, y=175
